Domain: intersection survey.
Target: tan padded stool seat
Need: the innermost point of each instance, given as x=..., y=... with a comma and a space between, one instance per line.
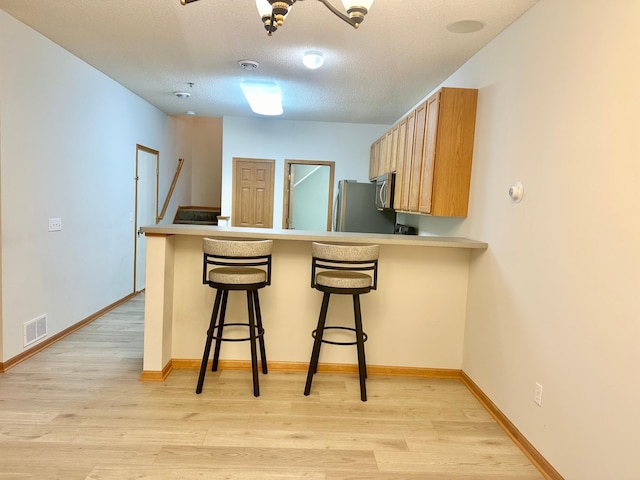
x=237, y=275
x=235, y=265
x=343, y=270
x=343, y=279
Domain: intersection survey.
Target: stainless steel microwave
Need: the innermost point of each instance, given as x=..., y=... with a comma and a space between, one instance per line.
x=384, y=191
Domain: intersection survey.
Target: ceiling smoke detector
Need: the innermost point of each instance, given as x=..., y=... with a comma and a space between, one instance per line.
x=249, y=65
x=465, y=26
x=182, y=95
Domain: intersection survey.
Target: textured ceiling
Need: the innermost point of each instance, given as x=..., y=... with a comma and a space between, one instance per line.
x=371, y=75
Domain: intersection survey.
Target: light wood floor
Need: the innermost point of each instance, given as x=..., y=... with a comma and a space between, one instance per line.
x=78, y=411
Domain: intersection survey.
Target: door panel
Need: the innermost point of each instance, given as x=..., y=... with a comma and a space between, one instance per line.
x=252, y=193
x=408, y=152
x=426, y=182
x=416, y=158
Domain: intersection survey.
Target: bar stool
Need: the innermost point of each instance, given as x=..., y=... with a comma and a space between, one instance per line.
x=340, y=269
x=237, y=265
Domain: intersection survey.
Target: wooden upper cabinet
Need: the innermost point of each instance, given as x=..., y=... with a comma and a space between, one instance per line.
x=384, y=155
x=431, y=151
x=416, y=158
x=428, y=154
x=392, y=138
x=408, y=155
x=445, y=174
x=400, y=163
x=374, y=160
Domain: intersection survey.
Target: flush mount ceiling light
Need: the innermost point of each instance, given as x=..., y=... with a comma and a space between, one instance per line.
x=182, y=95
x=264, y=97
x=273, y=12
x=313, y=59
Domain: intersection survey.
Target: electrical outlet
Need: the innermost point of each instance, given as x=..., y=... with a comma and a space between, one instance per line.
x=55, y=224
x=537, y=396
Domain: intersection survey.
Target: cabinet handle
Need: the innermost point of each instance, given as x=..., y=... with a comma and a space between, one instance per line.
x=383, y=194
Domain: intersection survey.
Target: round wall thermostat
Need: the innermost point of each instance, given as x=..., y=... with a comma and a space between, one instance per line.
x=516, y=192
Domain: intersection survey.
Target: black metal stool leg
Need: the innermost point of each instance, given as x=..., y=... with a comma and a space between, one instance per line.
x=362, y=365
x=315, y=354
x=218, y=330
x=207, y=345
x=254, y=352
x=263, y=354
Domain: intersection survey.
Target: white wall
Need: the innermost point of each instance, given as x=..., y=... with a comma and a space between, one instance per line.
x=556, y=299
x=280, y=140
x=68, y=141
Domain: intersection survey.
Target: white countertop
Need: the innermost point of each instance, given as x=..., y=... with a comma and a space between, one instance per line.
x=334, y=237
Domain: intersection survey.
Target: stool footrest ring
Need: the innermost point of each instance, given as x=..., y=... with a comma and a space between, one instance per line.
x=336, y=342
x=259, y=332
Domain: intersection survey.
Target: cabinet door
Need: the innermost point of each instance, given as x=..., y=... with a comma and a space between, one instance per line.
x=429, y=153
x=400, y=164
x=452, y=153
x=408, y=155
x=384, y=168
x=393, y=149
x=374, y=158
x=383, y=158
x=416, y=158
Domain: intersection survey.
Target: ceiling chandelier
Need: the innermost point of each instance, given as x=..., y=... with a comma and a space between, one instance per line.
x=273, y=12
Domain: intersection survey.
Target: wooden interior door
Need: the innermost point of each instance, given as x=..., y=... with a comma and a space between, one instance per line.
x=252, y=193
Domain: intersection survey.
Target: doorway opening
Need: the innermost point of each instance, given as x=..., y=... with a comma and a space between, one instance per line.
x=308, y=195
x=146, y=209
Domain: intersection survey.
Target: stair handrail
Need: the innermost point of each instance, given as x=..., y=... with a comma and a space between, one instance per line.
x=170, y=192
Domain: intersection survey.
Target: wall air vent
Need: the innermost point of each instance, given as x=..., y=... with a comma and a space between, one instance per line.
x=35, y=329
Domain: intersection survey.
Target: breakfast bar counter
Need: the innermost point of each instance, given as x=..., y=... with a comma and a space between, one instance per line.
x=415, y=319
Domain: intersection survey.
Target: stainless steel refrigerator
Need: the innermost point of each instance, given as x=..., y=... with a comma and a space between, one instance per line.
x=356, y=209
